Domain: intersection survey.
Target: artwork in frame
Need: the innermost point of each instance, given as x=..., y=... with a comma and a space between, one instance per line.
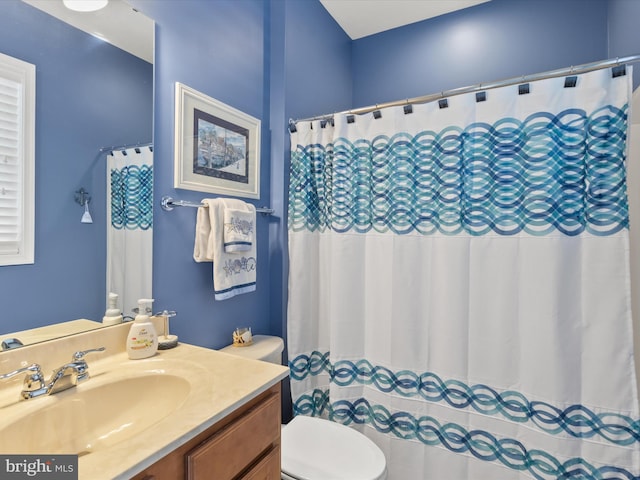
x=217, y=147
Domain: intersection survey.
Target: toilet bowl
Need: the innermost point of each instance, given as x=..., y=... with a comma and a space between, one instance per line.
x=314, y=448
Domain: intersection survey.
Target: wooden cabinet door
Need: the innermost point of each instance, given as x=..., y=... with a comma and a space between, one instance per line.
x=237, y=446
x=244, y=445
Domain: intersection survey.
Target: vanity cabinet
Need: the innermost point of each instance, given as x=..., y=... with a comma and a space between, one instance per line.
x=244, y=445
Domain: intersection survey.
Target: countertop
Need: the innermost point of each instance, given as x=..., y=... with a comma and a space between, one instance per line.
x=225, y=382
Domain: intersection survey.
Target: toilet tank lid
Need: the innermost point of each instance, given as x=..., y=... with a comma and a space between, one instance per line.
x=314, y=448
x=261, y=348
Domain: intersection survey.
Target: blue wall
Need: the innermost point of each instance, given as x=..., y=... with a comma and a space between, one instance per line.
x=217, y=48
x=88, y=95
x=492, y=41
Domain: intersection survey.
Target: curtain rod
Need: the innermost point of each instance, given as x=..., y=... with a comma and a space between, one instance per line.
x=125, y=147
x=561, y=72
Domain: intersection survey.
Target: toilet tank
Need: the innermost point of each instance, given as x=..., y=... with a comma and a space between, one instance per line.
x=264, y=347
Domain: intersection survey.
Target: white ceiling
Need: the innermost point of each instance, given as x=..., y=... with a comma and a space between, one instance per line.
x=360, y=18
x=118, y=23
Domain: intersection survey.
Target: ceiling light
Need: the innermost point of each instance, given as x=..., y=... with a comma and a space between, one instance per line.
x=85, y=5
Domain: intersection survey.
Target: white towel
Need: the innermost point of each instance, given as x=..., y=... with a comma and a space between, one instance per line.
x=233, y=273
x=239, y=225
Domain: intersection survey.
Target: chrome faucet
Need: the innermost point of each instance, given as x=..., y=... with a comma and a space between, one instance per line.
x=67, y=376
x=72, y=373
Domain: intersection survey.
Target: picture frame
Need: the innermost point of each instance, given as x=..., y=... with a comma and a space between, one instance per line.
x=217, y=147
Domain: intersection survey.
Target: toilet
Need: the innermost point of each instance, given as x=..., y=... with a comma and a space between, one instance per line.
x=314, y=448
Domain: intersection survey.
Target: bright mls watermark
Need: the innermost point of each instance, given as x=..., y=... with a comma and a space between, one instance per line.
x=51, y=467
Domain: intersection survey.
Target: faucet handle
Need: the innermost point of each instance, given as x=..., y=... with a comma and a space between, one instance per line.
x=81, y=368
x=80, y=355
x=35, y=377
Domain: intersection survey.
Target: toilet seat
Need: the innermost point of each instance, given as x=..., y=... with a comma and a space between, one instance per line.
x=317, y=449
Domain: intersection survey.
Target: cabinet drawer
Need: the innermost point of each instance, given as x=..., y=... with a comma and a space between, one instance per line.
x=267, y=469
x=238, y=445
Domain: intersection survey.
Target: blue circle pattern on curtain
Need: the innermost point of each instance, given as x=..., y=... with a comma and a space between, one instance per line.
x=578, y=421
x=563, y=172
x=132, y=197
x=483, y=445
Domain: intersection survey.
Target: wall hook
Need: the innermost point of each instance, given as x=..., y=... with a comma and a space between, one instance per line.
x=83, y=198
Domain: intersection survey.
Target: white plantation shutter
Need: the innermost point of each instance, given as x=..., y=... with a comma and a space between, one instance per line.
x=10, y=171
x=17, y=120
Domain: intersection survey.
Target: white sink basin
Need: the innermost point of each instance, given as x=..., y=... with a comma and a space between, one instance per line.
x=90, y=417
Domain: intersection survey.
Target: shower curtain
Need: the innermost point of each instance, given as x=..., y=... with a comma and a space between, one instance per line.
x=459, y=282
x=130, y=222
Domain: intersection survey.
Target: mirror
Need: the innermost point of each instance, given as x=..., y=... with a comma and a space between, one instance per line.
x=92, y=96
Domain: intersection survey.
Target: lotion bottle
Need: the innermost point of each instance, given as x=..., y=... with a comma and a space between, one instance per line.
x=142, y=341
x=112, y=316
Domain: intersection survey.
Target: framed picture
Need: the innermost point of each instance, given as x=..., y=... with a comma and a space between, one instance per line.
x=217, y=148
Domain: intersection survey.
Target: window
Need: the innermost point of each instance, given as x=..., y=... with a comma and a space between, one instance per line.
x=17, y=160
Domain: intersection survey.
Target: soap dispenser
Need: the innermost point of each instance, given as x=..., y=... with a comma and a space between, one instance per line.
x=142, y=341
x=112, y=316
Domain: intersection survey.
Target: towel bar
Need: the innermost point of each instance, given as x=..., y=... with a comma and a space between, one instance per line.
x=168, y=203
